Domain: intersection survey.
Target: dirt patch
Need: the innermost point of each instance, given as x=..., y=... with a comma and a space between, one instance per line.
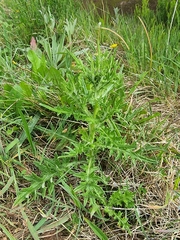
x=125, y=6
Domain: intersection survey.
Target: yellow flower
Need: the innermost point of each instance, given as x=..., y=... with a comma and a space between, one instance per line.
x=15, y=63
x=113, y=45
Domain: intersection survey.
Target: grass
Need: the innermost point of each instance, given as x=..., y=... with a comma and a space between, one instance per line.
x=89, y=112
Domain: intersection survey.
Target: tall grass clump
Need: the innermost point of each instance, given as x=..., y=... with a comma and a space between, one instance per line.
x=29, y=17
x=152, y=47
x=165, y=11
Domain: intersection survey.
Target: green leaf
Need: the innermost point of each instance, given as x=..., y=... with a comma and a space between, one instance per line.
x=6, y=187
x=58, y=109
x=38, y=63
x=27, y=90
x=54, y=224
x=31, y=228
x=34, y=59
x=28, y=127
x=11, y=145
x=8, y=234
x=99, y=233
x=72, y=194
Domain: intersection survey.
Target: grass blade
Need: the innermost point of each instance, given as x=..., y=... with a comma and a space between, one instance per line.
x=54, y=224
x=6, y=187
x=31, y=228
x=99, y=233
x=72, y=194
x=11, y=145
x=7, y=233
x=28, y=127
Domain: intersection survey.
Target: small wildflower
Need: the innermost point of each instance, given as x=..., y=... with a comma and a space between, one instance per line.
x=15, y=63
x=33, y=44
x=113, y=45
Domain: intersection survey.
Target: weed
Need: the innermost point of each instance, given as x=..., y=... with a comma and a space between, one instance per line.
x=84, y=123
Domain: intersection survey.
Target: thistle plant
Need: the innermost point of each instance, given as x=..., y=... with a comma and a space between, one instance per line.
x=73, y=131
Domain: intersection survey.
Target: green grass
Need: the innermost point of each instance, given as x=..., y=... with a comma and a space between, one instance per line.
x=89, y=133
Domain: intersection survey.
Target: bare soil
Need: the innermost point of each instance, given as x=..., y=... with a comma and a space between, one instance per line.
x=125, y=6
